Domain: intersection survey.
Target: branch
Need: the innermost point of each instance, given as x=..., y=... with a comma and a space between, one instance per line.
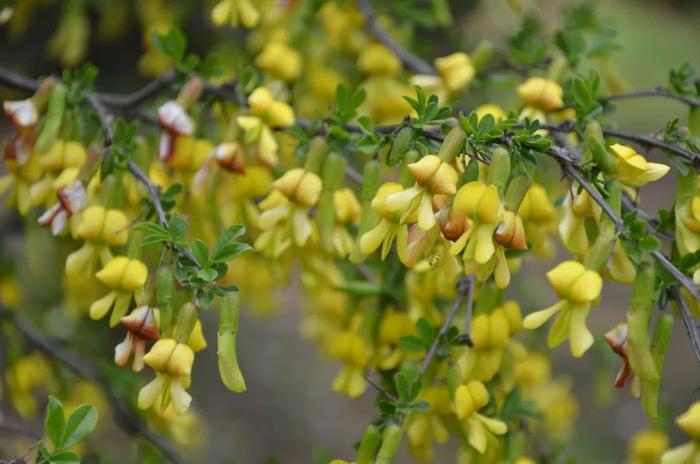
x=464, y=291
x=139, y=96
x=411, y=61
x=127, y=420
x=691, y=324
x=658, y=91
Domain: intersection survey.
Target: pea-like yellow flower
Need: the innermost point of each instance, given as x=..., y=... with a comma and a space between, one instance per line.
x=265, y=113
x=172, y=362
x=455, y=70
x=123, y=276
x=647, y=447
x=234, y=12
x=285, y=218
x=389, y=226
x=469, y=398
x=61, y=165
x=24, y=169
x=100, y=228
x=689, y=422
x=492, y=109
x=347, y=211
x=578, y=208
x=25, y=376
x=541, y=93
x=482, y=253
x=490, y=334
x=433, y=177
x=393, y=326
x=188, y=153
x=355, y=354
x=422, y=429
x=378, y=60
x=280, y=61
x=633, y=170
x=577, y=288
x=141, y=325
x=539, y=218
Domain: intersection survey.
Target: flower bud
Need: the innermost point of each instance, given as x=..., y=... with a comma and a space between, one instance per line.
x=499, y=333
x=514, y=316
x=142, y=323
x=174, y=118
x=511, y=232
x=480, y=331
x=230, y=157
x=300, y=186
x=689, y=421
x=379, y=202
x=347, y=208
x=536, y=205
x=377, y=59
x=456, y=71
x=280, y=61
x=541, y=93
x=22, y=113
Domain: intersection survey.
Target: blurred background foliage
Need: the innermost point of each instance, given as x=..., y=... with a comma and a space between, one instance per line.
x=289, y=414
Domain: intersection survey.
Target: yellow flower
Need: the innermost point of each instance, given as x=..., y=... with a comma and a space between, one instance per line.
x=379, y=60
x=689, y=422
x=633, y=170
x=27, y=374
x=280, y=61
x=422, y=429
x=389, y=226
x=433, y=177
x=577, y=209
x=482, y=253
x=172, y=362
x=577, y=288
x=353, y=351
x=468, y=400
x=647, y=447
x=265, y=113
x=456, y=71
x=100, y=228
x=188, y=153
x=541, y=93
x=24, y=170
x=347, y=211
x=233, y=11
x=492, y=109
x=124, y=276
x=286, y=211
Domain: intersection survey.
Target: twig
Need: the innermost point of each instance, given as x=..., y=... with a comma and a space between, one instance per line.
x=139, y=96
x=464, y=290
x=658, y=91
x=128, y=421
x=380, y=389
x=409, y=60
x=15, y=80
x=691, y=324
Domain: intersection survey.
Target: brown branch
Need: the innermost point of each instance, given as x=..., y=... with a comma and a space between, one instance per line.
x=464, y=292
x=411, y=61
x=130, y=422
x=692, y=326
x=658, y=91
x=139, y=96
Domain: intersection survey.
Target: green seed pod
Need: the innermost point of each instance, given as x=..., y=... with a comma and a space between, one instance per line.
x=516, y=191
x=371, y=440
x=481, y=55
x=694, y=120
x=661, y=341
x=316, y=154
x=638, y=315
x=406, y=177
x=499, y=169
x=333, y=174
x=595, y=144
x=371, y=179
x=391, y=440
x=54, y=118
x=165, y=289
x=226, y=353
x=401, y=144
x=453, y=144
x=186, y=320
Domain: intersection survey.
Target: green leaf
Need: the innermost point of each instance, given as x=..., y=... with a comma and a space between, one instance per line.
x=207, y=274
x=201, y=252
x=230, y=251
x=177, y=228
x=79, y=425
x=64, y=457
x=172, y=44
x=412, y=343
x=55, y=422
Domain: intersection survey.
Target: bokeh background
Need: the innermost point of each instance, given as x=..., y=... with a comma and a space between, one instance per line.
x=289, y=414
